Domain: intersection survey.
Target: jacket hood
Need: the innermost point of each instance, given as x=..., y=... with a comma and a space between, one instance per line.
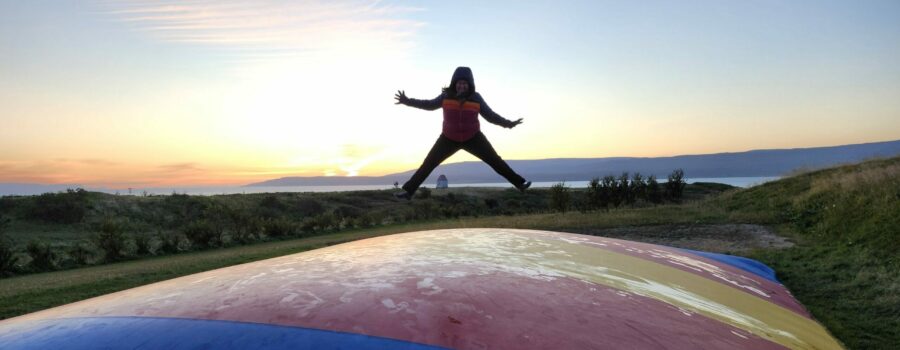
x=463, y=73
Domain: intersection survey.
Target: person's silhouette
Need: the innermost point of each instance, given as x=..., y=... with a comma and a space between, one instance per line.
x=461, y=105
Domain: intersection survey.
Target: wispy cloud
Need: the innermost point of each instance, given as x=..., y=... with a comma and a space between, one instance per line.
x=53, y=171
x=179, y=168
x=271, y=28
x=86, y=162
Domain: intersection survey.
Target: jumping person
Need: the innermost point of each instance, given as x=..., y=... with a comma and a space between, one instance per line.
x=461, y=105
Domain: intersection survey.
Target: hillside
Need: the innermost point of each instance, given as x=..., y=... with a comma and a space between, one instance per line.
x=773, y=162
x=846, y=265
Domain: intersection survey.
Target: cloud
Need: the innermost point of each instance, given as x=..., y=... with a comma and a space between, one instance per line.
x=179, y=168
x=272, y=28
x=86, y=161
x=53, y=171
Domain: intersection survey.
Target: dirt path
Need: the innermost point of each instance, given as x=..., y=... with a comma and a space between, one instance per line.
x=727, y=238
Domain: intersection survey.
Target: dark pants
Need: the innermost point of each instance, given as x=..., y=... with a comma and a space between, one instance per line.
x=478, y=146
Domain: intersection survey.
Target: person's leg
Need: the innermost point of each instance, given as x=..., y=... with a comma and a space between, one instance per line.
x=443, y=148
x=480, y=147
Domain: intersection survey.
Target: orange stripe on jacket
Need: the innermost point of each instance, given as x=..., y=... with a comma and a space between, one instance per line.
x=468, y=105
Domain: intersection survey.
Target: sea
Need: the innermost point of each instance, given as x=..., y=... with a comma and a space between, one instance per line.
x=217, y=190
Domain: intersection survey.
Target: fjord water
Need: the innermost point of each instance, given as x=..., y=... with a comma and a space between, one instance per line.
x=214, y=190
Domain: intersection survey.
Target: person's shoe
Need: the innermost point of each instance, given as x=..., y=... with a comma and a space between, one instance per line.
x=403, y=195
x=524, y=186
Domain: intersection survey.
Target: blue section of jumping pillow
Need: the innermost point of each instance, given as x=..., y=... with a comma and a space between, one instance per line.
x=178, y=333
x=742, y=263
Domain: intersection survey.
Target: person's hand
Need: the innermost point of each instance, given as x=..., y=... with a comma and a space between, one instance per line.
x=514, y=123
x=401, y=98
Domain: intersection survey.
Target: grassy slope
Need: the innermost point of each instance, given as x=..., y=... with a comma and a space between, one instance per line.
x=844, y=267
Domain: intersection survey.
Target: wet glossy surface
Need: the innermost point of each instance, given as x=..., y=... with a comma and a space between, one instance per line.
x=486, y=288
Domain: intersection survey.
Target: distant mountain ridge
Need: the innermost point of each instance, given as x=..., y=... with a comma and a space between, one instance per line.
x=770, y=162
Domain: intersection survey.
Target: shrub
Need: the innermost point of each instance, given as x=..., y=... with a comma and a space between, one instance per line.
x=608, y=191
x=43, y=258
x=326, y=221
x=185, y=209
x=620, y=190
x=80, y=253
x=560, y=197
x=361, y=221
x=270, y=206
x=169, y=242
x=424, y=192
x=675, y=185
x=308, y=226
x=142, y=244
x=581, y=204
x=654, y=195
x=593, y=194
x=244, y=227
x=491, y=203
x=637, y=188
x=272, y=202
x=307, y=207
x=7, y=256
x=424, y=210
x=110, y=238
x=203, y=233
x=279, y=227
x=62, y=208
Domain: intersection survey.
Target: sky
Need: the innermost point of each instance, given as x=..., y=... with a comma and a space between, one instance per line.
x=158, y=93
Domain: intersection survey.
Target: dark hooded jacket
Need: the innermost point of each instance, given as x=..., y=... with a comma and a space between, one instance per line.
x=461, y=112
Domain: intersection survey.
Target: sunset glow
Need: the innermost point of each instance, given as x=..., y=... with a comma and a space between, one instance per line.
x=152, y=93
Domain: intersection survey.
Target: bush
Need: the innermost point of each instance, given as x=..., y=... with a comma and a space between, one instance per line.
x=80, y=253
x=491, y=203
x=142, y=244
x=245, y=228
x=7, y=256
x=272, y=202
x=279, y=227
x=424, y=210
x=203, y=233
x=361, y=221
x=110, y=238
x=325, y=222
x=169, y=242
x=637, y=188
x=43, y=258
x=424, y=192
x=185, y=209
x=307, y=207
x=594, y=197
x=620, y=190
x=560, y=197
x=308, y=226
x=608, y=191
x=270, y=207
x=7, y=253
x=654, y=195
x=675, y=185
x=62, y=208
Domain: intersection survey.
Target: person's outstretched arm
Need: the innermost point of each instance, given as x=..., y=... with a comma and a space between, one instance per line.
x=428, y=105
x=493, y=117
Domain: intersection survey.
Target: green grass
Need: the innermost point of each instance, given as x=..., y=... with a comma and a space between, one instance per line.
x=855, y=296
x=846, y=267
